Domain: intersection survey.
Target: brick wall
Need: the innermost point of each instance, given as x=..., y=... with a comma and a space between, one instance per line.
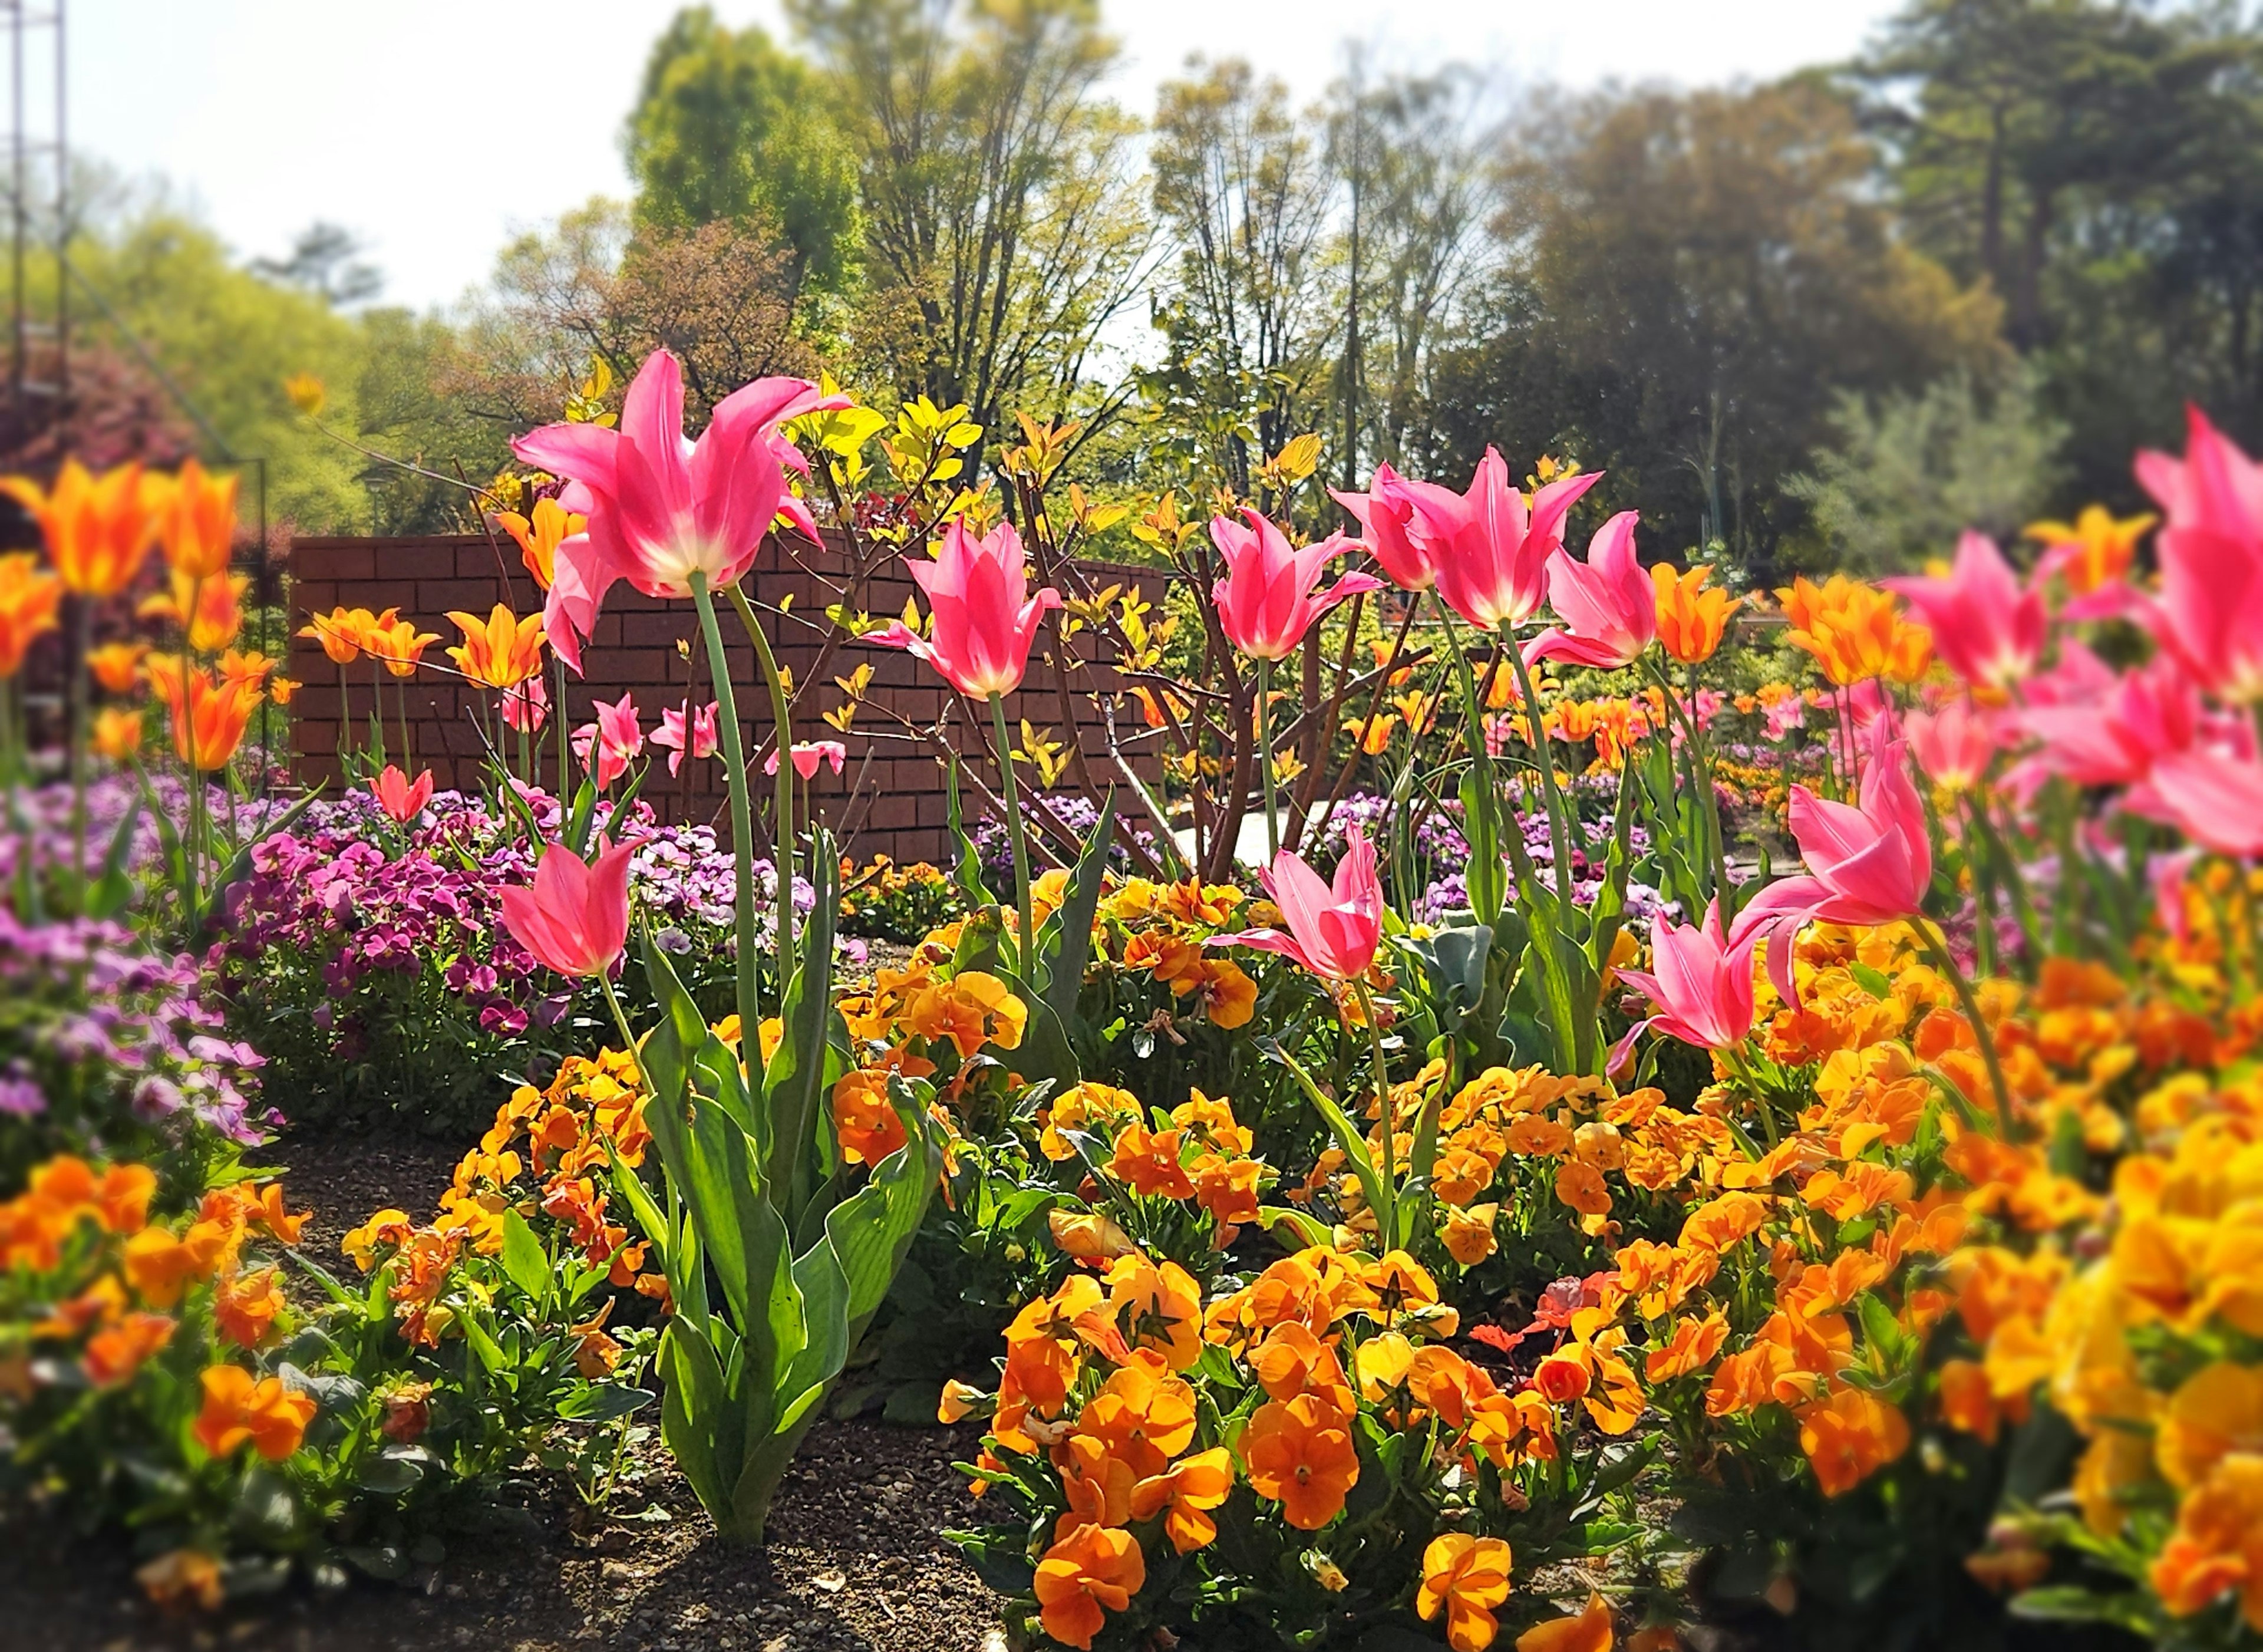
x=890, y=798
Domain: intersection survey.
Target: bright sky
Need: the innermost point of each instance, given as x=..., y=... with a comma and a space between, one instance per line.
x=435, y=129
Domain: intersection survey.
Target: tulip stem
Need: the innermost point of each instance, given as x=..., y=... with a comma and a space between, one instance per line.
x=1936, y=946
x=620, y=1015
x=782, y=843
x=1386, y=1219
x=1559, y=831
x=1265, y=757
x=743, y=844
x=1024, y=960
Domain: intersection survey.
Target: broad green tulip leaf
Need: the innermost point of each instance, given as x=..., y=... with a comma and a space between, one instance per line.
x=1061, y=966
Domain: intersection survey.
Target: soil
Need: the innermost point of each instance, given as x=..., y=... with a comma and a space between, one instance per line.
x=855, y=1558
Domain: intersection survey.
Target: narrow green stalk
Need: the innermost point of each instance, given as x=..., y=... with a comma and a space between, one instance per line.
x=82, y=690
x=1937, y=948
x=1014, y=831
x=345, y=722
x=620, y=1015
x=1559, y=828
x=782, y=838
x=557, y=721
x=1265, y=758
x=1386, y=1220
x=742, y=811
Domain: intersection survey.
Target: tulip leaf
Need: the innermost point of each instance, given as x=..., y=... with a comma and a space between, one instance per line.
x=1340, y=1126
x=794, y=1079
x=1060, y=965
x=968, y=871
x=700, y=1428
x=1486, y=877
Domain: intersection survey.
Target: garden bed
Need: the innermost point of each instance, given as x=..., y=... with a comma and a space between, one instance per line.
x=855, y=1559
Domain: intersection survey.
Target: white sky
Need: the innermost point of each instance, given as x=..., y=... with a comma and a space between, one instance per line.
x=437, y=128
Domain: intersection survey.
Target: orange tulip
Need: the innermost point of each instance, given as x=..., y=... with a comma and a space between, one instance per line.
x=398, y=644
x=264, y=1414
x=500, y=651
x=1095, y=1570
x=1692, y=616
x=279, y=689
x=341, y=631
x=117, y=734
x=1854, y=631
x=539, y=539
x=209, y=611
x=98, y=528
x=252, y=668
x=196, y=525
x=29, y=597
x=117, y=666
x=209, y=715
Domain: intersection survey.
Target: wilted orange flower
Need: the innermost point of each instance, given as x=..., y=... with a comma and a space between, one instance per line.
x=182, y=1578
x=1147, y=1162
x=1093, y=1571
x=1692, y=616
x=246, y=1307
x=117, y=666
x=1465, y=1576
x=115, y=1352
x=196, y=522
x=29, y=597
x=208, y=611
x=209, y=715
x=1855, y=631
x=1298, y=1452
x=264, y=1414
x=500, y=651
x=540, y=538
x=98, y=528
x=408, y=1413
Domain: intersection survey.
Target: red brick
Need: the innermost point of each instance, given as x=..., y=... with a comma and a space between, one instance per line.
x=435, y=597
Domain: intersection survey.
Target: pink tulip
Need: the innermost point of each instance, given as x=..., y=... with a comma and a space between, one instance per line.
x=2210, y=614
x=403, y=801
x=526, y=706
x=1607, y=603
x=1866, y=866
x=2114, y=738
x=1266, y=602
x=807, y=756
x=1491, y=553
x=705, y=730
x=1332, y=931
x=575, y=918
x=615, y=738
x=1953, y=745
x=983, y=629
x=1989, y=631
x=1385, y=513
x=1701, y=985
x=2214, y=797
x=660, y=508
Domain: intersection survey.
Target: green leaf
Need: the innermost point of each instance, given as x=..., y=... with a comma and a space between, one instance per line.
x=968, y=871
x=1060, y=970
x=794, y=1081
x=524, y=1260
x=1487, y=877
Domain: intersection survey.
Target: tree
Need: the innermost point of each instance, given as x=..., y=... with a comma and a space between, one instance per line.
x=1248, y=315
x=1909, y=474
x=324, y=262
x=729, y=127
x=1687, y=282
x=999, y=234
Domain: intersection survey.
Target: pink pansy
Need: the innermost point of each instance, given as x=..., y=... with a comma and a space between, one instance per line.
x=1333, y=930
x=526, y=706
x=1266, y=600
x=398, y=798
x=1384, y=512
x=984, y=623
x=704, y=732
x=2210, y=613
x=807, y=755
x=575, y=918
x=661, y=508
x=1987, y=628
x=1953, y=745
x=1786, y=714
x=1607, y=604
x=1701, y=985
x=616, y=739
x=1490, y=551
x=1867, y=865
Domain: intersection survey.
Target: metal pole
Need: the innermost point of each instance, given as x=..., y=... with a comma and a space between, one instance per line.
x=62, y=230
x=17, y=211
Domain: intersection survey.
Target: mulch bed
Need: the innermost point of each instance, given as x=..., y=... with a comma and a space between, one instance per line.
x=854, y=1559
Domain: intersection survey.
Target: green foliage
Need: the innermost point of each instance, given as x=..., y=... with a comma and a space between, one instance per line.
x=727, y=126
x=1913, y=472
